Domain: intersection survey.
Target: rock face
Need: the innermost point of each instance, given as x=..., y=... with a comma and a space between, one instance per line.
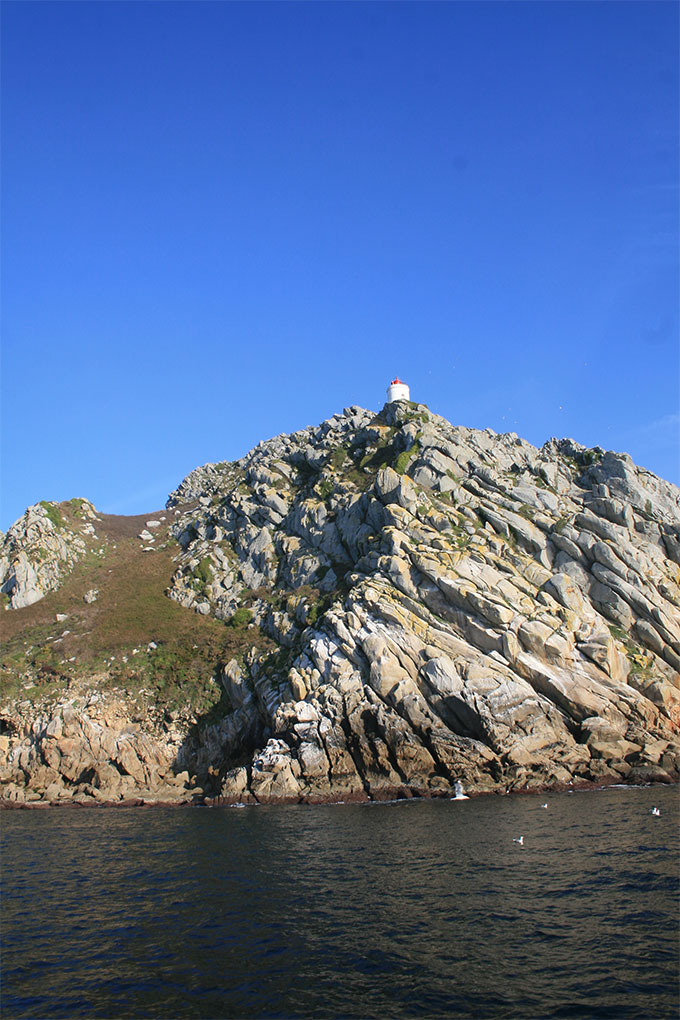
x=41, y=547
x=88, y=750
x=448, y=605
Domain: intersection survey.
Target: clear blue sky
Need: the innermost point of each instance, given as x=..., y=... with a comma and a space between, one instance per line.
x=223, y=221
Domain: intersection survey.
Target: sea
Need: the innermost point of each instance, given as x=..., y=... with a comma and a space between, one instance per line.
x=410, y=909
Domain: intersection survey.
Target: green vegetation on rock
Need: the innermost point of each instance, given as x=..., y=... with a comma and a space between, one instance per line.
x=53, y=514
x=405, y=457
x=339, y=456
x=204, y=570
x=324, y=489
x=241, y=618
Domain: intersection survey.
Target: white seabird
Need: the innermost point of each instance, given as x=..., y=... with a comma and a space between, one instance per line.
x=518, y=839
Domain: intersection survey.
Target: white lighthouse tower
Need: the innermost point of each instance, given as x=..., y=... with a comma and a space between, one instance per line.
x=398, y=390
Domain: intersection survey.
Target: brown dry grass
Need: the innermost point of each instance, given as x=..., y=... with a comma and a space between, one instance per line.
x=131, y=610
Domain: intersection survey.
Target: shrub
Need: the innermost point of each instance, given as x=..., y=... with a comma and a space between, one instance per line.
x=325, y=488
x=241, y=618
x=592, y=456
x=204, y=570
x=317, y=609
x=378, y=457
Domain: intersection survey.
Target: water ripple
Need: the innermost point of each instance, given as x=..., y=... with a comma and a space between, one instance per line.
x=412, y=909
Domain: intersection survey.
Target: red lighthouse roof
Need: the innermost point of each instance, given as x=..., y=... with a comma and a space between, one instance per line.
x=397, y=381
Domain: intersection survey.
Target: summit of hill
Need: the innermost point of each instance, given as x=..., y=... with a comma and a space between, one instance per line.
x=381, y=605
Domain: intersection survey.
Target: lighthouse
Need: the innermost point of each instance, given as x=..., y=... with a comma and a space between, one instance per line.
x=397, y=390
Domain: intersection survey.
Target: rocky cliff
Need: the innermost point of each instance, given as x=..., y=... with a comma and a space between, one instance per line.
x=42, y=547
x=400, y=604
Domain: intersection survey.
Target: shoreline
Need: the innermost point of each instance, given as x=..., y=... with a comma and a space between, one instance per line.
x=391, y=797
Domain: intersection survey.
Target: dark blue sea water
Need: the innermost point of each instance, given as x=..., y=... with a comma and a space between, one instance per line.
x=415, y=909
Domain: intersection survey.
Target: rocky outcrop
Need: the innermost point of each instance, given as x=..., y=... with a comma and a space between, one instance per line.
x=446, y=605
x=87, y=749
x=453, y=604
x=42, y=547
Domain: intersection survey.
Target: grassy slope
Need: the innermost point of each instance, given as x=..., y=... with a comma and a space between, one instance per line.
x=131, y=610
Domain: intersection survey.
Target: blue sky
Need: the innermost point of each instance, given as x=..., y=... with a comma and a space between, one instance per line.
x=223, y=221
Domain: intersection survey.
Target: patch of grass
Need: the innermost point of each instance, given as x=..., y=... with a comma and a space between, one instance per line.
x=204, y=570
x=415, y=414
x=241, y=618
x=339, y=456
x=131, y=611
x=249, y=596
x=361, y=479
x=75, y=505
x=53, y=514
x=405, y=457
